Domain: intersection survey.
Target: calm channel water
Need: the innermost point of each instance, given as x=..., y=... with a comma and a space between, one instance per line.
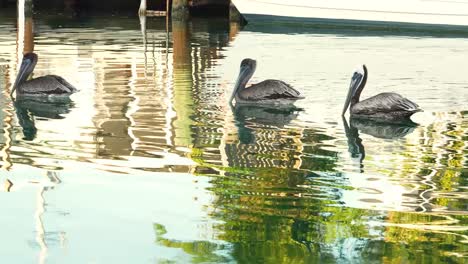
x=149, y=164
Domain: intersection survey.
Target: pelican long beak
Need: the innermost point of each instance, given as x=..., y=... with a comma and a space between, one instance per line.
x=27, y=66
x=244, y=73
x=356, y=80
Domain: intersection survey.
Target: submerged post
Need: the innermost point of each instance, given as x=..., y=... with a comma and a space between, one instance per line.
x=180, y=9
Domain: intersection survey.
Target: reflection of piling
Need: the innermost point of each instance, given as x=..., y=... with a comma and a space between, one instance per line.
x=234, y=28
x=182, y=81
x=180, y=9
x=181, y=43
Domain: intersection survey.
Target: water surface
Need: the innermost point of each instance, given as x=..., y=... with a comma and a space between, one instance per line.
x=148, y=163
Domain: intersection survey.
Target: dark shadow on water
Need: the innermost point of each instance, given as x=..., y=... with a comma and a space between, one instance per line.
x=29, y=109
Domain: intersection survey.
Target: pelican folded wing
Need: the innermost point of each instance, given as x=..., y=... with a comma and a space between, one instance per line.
x=270, y=89
x=385, y=103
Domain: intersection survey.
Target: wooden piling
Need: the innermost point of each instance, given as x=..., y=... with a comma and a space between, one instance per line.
x=25, y=35
x=180, y=9
x=235, y=16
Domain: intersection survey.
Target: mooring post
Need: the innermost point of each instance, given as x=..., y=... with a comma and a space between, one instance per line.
x=236, y=20
x=142, y=9
x=234, y=15
x=180, y=9
x=25, y=36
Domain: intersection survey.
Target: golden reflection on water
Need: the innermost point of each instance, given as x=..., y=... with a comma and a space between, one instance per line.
x=290, y=184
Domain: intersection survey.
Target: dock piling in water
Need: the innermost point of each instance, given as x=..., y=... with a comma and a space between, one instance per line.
x=234, y=15
x=180, y=9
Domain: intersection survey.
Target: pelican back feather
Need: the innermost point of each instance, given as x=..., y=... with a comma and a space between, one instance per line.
x=47, y=85
x=270, y=90
x=385, y=103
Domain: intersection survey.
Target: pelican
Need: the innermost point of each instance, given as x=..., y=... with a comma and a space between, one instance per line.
x=387, y=107
x=49, y=85
x=267, y=92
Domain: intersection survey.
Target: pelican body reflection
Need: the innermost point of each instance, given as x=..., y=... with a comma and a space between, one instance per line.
x=375, y=129
x=262, y=141
x=27, y=109
x=261, y=115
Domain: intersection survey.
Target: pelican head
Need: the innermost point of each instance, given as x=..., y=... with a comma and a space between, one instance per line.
x=358, y=81
x=247, y=69
x=27, y=67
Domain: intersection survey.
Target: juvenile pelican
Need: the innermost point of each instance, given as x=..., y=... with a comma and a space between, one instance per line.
x=389, y=107
x=49, y=85
x=266, y=92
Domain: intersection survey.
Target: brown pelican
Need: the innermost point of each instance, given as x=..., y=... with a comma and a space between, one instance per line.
x=266, y=92
x=388, y=107
x=49, y=85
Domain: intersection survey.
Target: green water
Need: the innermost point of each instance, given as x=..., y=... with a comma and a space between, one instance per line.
x=149, y=164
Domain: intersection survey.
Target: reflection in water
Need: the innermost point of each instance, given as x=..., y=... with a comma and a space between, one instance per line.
x=355, y=147
x=247, y=116
x=383, y=130
x=201, y=251
x=375, y=129
x=29, y=109
x=262, y=139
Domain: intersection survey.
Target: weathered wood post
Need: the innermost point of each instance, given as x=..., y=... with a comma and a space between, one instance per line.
x=234, y=14
x=25, y=35
x=28, y=27
x=180, y=9
x=142, y=9
x=236, y=20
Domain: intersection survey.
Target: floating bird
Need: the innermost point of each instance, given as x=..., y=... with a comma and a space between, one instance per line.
x=49, y=85
x=267, y=92
x=387, y=107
